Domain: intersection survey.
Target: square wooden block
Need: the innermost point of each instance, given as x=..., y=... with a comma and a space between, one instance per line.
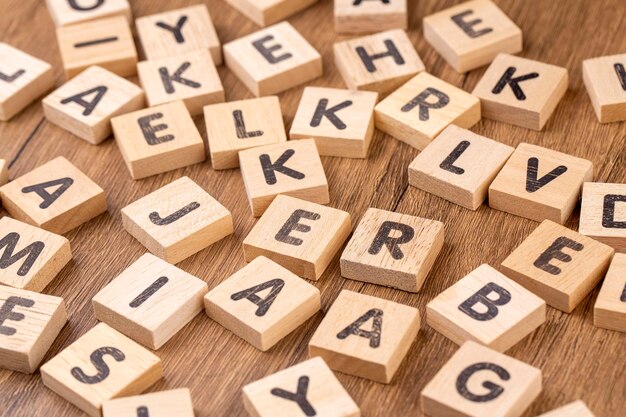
x=4, y=172
x=158, y=139
x=292, y=168
x=381, y=62
x=340, y=121
x=85, y=104
x=539, y=183
x=392, y=249
x=178, y=32
x=238, y=125
x=176, y=402
x=318, y=391
x=575, y=409
x=24, y=78
x=262, y=303
x=299, y=235
x=150, y=301
x=190, y=77
x=31, y=257
x=472, y=34
x=365, y=336
x=609, y=311
x=605, y=80
x=268, y=12
x=29, y=323
x=56, y=196
x=520, y=91
x=69, y=12
x=105, y=42
x=273, y=59
x=177, y=220
x=603, y=214
x=360, y=16
x=419, y=110
x=459, y=166
x=558, y=264
x=486, y=307
x=122, y=368
x=478, y=381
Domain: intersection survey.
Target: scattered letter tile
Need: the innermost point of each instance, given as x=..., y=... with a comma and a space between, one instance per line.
x=69, y=12
x=268, y=12
x=361, y=16
x=610, y=309
x=172, y=403
x=603, y=214
x=575, y=409
x=605, y=80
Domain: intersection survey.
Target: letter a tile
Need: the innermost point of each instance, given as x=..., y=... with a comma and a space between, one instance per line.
x=603, y=214
x=172, y=403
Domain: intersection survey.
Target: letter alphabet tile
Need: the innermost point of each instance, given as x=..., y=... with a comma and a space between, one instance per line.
x=609, y=311
x=172, y=403
x=4, y=172
x=268, y=12
x=603, y=214
x=605, y=80
x=575, y=409
x=69, y=12
x=362, y=16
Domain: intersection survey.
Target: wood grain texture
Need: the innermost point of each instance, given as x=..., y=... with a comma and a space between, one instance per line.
x=578, y=360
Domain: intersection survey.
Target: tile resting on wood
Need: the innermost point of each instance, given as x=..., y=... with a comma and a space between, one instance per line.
x=361, y=16
x=575, y=409
x=172, y=403
x=603, y=214
x=609, y=311
x=605, y=80
x=4, y=172
x=69, y=12
x=268, y=12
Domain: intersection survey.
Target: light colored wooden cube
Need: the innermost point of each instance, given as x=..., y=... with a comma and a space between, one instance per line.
x=488, y=308
x=292, y=168
x=150, y=301
x=273, y=59
x=609, y=311
x=558, y=264
x=575, y=409
x=298, y=235
x=29, y=323
x=605, y=80
x=309, y=388
x=23, y=79
x=365, y=336
x=268, y=12
x=340, y=121
x=520, y=91
x=360, y=16
x=392, y=249
x=478, y=381
x=55, y=196
x=459, y=166
x=104, y=42
x=177, y=220
x=69, y=12
x=122, y=368
x=172, y=403
x=178, y=32
x=85, y=104
x=603, y=214
x=158, y=139
x=4, y=172
x=381, y=62
x=244, y=124
x=423, y=107
x=539, y=183
x=472, y=34
x=31, y=257
x=262, y=303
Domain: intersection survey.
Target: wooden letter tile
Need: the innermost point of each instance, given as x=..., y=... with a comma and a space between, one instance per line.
x=273, y=59
x=478, y=381
x=292, y=168
x=177, y=220
x=101, y=365
x=459, y=166
x=85, y=104
x=56, y=196
x=238, y=125
x=603, y=214
x=268, y=12
x=29, y=323
x=558, y=264
x=158, y=139
x=520, y=91
x=419, y=110
x=172, y=403
x=605, y=79
x=318, y=391
x=539, y=183
x=69, y=12
x=361, y=16
x=575, y=409
x=488, y=308
x=365, y=336
x=392, y=249
x=4, y=172
x=340, y=121
x=150, y=301
x=23, y=79
x=299, y=235
x=381, y=62
x=610, y=309
x=472, y=34
x=178, y=32
x=105, y=42
x=262, y=303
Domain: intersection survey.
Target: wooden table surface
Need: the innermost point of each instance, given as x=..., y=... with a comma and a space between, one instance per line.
x=578, y=360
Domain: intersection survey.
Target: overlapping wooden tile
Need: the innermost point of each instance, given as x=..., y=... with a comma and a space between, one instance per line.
x=69, y=12
x=605, y=80
x=361, y=16
x=172, y=403
x=4, y=172
x=575, y=409
x=603, y=213
x=268, y=12
x=609, y=311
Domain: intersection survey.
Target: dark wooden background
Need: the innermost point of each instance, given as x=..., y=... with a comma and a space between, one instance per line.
x=578, y=360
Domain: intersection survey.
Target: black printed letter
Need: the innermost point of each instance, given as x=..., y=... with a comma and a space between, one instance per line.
x=6, y=313
x=621, y=75
x=383, y=238
x=240, y=127
x=264, y=304
x=11, y=78
x=482, y=297
x=268, y=53
x=31, y=252
x=279, y=165
x=299, y=397
x=177, y=30
x=156, y=218
x=40, y=189
x=74, y=5
x=321, y=111
x=98, y=363
x=555, y=252
x=149, y=131
x=293, y=224
x=507, y=79
x=422, y=101
x=494, y=389
x=608, y=211
x=149, y=292
x=448, y=163
x=88, y=105
x=168, y=80
x=368, y=60
x=533, y=183
x=468, y=26
x=355, y=328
